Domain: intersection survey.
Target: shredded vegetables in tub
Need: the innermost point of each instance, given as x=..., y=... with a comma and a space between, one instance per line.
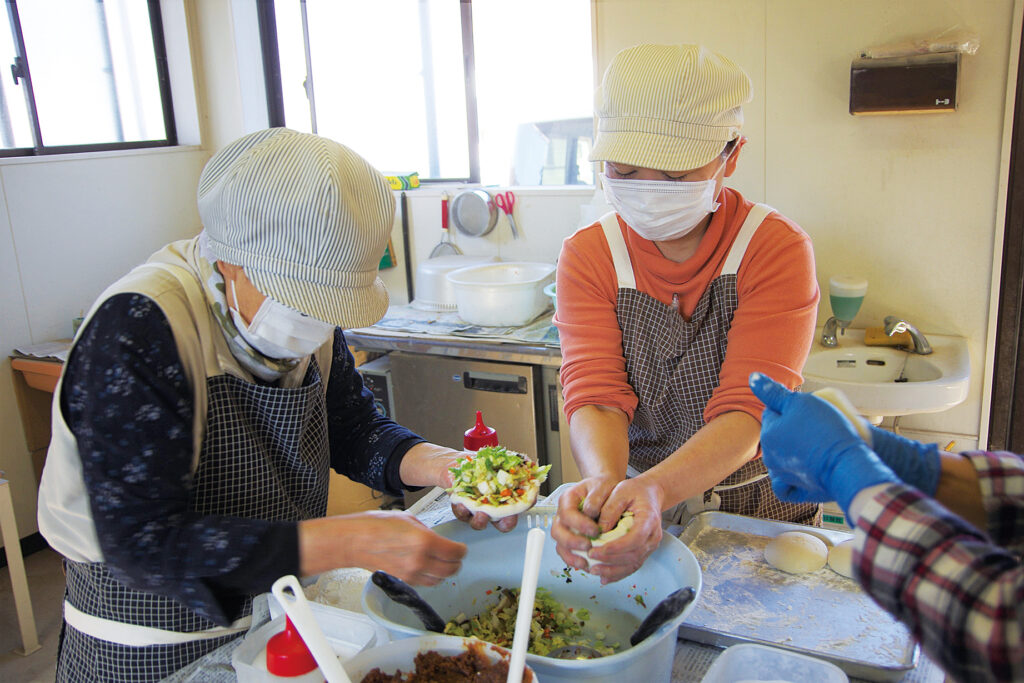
x=497, y=481
x=553, y=626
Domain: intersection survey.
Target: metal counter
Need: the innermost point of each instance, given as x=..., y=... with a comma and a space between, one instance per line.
x=505, y=352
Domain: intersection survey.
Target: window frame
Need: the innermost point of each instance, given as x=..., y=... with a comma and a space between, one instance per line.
x=275, y=89
x=25, y=74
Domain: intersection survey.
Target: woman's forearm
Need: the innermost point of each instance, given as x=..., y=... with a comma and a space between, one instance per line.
x=600, y=443
x=718, y=449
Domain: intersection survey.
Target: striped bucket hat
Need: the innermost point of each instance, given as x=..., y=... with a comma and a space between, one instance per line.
x=307, y=218
x=668, y=107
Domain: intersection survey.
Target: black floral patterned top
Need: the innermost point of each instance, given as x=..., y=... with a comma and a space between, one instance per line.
x=128, y=402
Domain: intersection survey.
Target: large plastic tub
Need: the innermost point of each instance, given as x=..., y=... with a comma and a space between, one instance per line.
x=502, y=294
x=495, y=559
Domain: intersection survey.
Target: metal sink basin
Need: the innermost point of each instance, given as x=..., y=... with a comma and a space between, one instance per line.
x=882, y=380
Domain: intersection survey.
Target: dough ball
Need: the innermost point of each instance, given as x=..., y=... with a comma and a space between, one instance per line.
x=796, y=552
x=840, y=558
x=839, y=400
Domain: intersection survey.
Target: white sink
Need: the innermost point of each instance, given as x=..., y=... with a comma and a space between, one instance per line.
x=882, y=380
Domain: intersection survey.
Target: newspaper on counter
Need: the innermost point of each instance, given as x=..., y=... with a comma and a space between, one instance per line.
x=56, y=350
x=408, y=319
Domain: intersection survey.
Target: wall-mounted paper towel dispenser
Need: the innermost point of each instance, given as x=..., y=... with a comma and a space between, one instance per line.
x=916, y=84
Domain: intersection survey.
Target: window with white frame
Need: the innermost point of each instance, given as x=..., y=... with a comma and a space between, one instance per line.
x=485, y=91
x=84, y=75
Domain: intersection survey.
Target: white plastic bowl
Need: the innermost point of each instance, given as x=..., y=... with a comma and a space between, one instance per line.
x=401, y=655
x=502, y=294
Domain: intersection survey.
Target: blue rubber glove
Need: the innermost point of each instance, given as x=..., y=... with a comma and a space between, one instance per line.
x=812, y=452
x=916, y=463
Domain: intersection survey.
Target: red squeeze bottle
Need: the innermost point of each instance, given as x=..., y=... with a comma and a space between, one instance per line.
x=287, y=654
x=480, y=435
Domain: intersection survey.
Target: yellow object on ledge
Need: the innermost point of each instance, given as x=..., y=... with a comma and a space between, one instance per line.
x=876, y=336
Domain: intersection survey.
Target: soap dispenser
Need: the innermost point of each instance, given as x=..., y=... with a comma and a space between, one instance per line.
x=845, y=294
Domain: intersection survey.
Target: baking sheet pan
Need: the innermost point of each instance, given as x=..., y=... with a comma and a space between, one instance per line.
x=822, y=614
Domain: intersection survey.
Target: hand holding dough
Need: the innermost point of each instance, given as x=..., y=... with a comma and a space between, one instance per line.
x=796, y=552
x=620, y=529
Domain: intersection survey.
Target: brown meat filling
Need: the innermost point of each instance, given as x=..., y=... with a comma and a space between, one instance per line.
x=471, y=666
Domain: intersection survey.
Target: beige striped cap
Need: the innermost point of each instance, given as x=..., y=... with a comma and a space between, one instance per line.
x=307, y=218
x=668, y=107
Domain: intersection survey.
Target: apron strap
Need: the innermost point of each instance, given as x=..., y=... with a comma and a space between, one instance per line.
x=143, y=636
x=620, y=255
x=739, y=246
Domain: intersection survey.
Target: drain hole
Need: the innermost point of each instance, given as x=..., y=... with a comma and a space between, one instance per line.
x=875, y=362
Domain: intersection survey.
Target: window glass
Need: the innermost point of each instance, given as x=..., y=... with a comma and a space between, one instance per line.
x=93, y=71
x=15, y=128
x=534, y=82
x=389, y=79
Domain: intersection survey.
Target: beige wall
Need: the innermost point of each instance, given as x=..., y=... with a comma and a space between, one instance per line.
x=908, y=202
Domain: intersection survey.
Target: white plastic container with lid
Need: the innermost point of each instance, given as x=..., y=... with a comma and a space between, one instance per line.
x=502, y=294
x=753, y=662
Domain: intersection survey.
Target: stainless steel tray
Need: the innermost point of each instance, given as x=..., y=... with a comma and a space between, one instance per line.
x=822, y=614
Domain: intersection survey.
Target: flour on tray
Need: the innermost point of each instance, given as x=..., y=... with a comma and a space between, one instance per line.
x=821, y=611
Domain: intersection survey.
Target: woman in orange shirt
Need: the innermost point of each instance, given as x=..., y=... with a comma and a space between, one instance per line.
x=667, y=305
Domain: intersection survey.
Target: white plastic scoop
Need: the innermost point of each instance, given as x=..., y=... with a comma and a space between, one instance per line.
x=527, y=593
x=297, y=609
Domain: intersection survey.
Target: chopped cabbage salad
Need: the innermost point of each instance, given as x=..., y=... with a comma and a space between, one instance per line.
x=496, y=476
x=554, y=625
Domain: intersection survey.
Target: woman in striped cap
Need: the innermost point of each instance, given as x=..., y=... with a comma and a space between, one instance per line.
x=205, y=398
x=666, y=305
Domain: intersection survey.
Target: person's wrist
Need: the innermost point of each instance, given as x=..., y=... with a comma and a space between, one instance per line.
x=914, y=462
x=857, y=469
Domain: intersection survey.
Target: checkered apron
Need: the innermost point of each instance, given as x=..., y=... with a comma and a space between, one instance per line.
x=264, y=456
x=675, y=371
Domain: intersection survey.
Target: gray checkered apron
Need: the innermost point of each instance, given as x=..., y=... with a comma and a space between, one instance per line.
x=264, y=456
x=673, y=365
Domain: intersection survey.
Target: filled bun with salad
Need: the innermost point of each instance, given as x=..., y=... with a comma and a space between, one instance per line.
x=496, y=481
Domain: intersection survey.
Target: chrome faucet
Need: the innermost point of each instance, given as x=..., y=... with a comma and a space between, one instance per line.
x=828, y=332
x=895, y=325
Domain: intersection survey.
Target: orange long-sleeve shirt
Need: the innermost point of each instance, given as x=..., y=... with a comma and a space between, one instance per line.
x=772, y=328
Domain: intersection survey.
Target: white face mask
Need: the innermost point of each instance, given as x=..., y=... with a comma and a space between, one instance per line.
x=277, y=331
x=660, y=210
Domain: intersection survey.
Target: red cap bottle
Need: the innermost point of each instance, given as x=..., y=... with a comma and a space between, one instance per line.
x=287, y=654
x=480, y=435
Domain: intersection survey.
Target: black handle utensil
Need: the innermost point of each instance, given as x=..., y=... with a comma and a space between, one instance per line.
x=666, y=610
x=404, y=594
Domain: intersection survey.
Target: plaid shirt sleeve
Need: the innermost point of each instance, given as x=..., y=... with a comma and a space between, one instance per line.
x=960, y=591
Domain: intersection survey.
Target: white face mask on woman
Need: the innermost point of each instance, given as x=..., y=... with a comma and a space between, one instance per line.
x=660, y=210
x=277, y=331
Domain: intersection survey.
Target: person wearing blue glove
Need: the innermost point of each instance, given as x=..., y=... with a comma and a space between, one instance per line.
x=938, y=535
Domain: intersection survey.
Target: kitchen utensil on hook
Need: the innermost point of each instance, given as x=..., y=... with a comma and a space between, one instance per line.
x=445, y=247
x=506, y=201
x=404, y=594
x=665, y=611
x=474, y=213
x=527, y=593
x=297, y=609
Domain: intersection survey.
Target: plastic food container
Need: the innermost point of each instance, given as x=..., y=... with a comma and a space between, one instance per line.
x=752, y=662
x=502, y=294
x=400, y=655
x=615, y=609
x=550, y=292
x=433, y=290
x=348, y=637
